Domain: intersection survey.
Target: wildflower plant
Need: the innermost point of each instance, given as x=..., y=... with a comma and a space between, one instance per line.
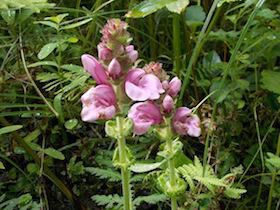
x=133, y=101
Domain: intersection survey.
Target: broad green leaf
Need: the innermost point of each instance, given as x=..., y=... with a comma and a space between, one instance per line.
x=2, y=165
x=75, y=25
x=46, y=50
x=195, y=15
x=147, y=7
x=271, y=81
x=71, y=124
x=9, y=129
x=54, y=153
x=177, y=6
x=145, y=167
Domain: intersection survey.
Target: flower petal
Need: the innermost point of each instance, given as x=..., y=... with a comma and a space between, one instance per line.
x=96, y=70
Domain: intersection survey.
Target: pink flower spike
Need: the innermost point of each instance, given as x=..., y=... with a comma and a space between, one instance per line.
x=104, y=53
x=144, y=115
x=168, y=104
x=98, y=103
x=96, y=70
x=174, y=86
x=114, y=69
x=140, y=86
x=186, y=123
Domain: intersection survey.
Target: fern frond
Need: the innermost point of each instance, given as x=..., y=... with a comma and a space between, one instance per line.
x=150, y=199
x=109, y=174
x=109, y=201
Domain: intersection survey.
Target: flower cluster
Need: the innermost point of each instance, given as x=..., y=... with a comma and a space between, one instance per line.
x=120, y=83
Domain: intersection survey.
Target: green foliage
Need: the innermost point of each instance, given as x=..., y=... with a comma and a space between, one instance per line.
x=109, y=201
x=108, y=174
x=195, y=173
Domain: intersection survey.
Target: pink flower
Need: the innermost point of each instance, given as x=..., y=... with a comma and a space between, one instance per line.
x=98, y=103
x=104, y=53
x=114, y=69
x=144, y=115
x=131, y=53
x=173, y=87
x=96, y=70
x=140, y=86
x=186, y=123
x=167, y=104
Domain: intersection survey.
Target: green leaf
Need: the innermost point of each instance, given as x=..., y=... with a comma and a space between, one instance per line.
x=75, y=25
x=9, y=129
x=43, y=63
x=2, y=165
x=150, y=199
x=147, y=7
x=145, y=167
x=8, y=16
x=195, y=15
x=271, y=81
x=58, y=107
x=54, y=153
x=48, y=23
x=32, y=136
x=71, y=124
x=73, y=40
x=109, y=201
x=111, y=129
x=46, y=50
x=177, y=6
x=110, y=175
x=57, y=18
x=234, y=193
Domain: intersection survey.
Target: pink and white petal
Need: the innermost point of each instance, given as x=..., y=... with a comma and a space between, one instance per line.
x=89, y=113
x=141, y=127
x=96, y=70
x=134, y=75
x=136, y=93
x=109, y=112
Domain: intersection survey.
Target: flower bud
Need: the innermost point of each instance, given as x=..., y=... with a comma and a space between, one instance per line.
x=114, y=69
x=167, y=104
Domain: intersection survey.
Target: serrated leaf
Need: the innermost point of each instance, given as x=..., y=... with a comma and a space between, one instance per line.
x=150, y=199
x=77, y=24
x=234, y=193
x=110, y=175
x=145, y=167
x=9, y=129
x=177, y=6
x=147, y=7
x=109, y=201
x=54, y=153
x=270, y=81
x=46, y=50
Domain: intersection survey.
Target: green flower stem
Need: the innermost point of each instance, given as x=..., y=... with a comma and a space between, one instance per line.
x=172, y=174
x=269, y=202
x=124, y=167
x=176, y=44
